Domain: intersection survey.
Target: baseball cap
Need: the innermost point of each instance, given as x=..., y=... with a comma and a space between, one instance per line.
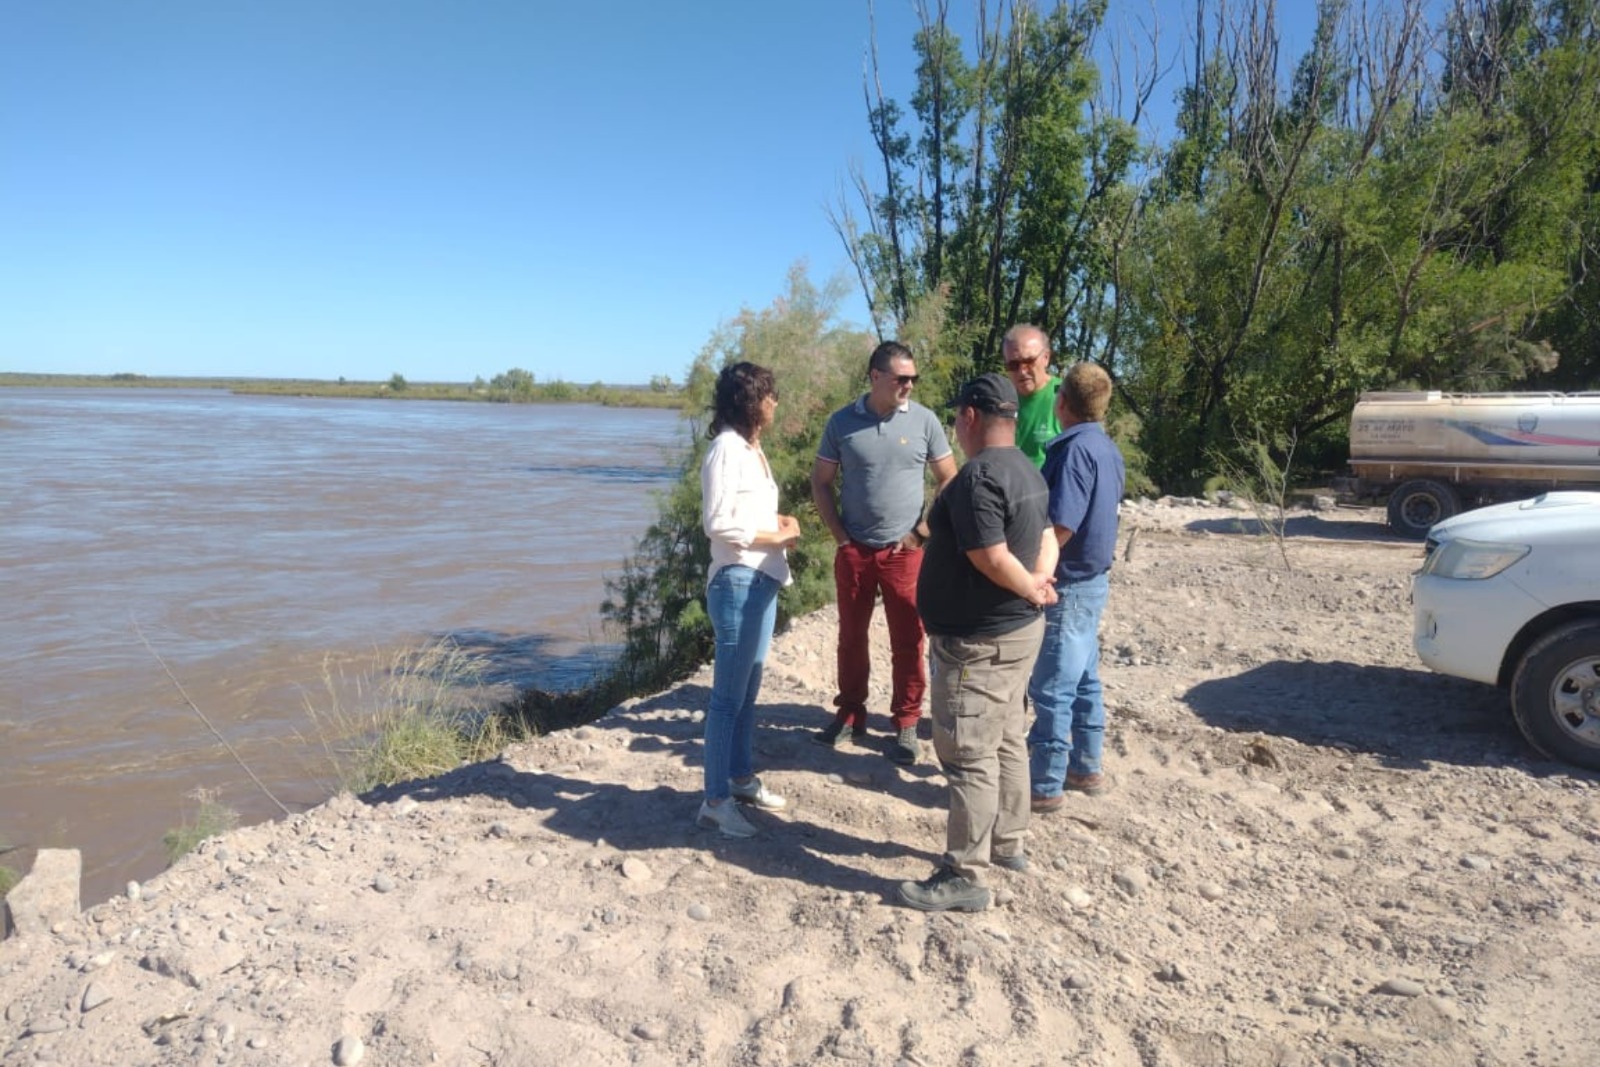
x=992, y=393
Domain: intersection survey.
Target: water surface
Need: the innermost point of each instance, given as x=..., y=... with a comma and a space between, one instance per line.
x=256, y=544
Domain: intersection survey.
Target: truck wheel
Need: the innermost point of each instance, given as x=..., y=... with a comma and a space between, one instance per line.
x=1418, y=504
x=1555, y=694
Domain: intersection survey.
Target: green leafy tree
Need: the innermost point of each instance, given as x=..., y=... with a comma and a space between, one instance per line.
x=657, y=602
x=1005, y=194
x=1358, y=232
x=515, y=385
x=1386, y=215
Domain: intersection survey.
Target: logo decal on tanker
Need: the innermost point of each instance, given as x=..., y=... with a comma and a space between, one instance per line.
x=1522, y=436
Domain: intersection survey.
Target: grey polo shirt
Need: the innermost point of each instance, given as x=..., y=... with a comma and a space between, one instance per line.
x=881, y=463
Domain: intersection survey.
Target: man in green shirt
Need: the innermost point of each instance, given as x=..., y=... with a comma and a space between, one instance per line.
x=1027, y=354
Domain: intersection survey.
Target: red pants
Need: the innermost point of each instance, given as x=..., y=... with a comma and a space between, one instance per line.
x=860, y=573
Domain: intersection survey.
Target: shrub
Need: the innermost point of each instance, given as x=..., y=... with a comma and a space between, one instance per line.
x=426, y=714
x=8, y=875
x=210, y=819
x=657, y=602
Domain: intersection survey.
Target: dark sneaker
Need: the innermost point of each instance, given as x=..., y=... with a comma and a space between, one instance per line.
x=1045, y=805
x=906, y=747
x=1089, y=784
x=1017, y=861
x=830, y=734
x=944, y=891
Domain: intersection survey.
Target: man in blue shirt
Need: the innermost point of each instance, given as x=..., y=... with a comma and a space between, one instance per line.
x=1085, y=473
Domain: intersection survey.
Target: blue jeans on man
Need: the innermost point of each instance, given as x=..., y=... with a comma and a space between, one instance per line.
x=743, y=605
x=1069, y=726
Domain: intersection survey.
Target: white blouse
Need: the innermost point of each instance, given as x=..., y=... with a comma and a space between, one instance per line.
x=738, y=497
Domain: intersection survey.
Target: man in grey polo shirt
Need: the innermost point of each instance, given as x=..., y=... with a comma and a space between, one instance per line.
x=873, y=454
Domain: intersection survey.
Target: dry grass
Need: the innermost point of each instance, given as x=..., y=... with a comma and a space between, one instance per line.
x=421, y=712
x=211, y=819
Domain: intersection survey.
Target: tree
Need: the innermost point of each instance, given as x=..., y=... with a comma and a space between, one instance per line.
x=513, y=385
x=656, y=602
x=1396, y=212
x=1004, y=195
x=1364, y=231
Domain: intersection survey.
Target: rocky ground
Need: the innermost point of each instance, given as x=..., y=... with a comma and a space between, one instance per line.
x=1316, y=853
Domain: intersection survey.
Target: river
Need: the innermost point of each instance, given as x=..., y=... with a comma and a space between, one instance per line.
x=256, y=546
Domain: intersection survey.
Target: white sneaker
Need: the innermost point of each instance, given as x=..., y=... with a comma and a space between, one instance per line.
x=727, y=818
x=757, y=795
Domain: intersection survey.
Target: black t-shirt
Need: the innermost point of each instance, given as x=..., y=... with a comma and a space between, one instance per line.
x=997, y=496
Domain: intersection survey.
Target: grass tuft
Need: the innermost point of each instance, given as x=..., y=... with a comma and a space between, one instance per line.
x=210, y=820
x=9, y=876
x=426, y=714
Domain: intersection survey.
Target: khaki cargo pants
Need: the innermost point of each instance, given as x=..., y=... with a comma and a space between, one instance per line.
x=976, y=688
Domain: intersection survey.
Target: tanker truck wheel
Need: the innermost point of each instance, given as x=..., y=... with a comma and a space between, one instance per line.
x=1418, y=504
x=1555, y=694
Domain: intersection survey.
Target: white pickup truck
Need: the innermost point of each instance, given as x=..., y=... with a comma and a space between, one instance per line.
x=1510, y=595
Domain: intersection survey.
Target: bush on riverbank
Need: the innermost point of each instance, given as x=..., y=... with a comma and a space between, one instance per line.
x=210, y=819
x=426, y=714
x=657, y=602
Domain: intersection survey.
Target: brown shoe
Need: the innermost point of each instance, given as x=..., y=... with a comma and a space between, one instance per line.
x=1045, y=805
x=1089, y=784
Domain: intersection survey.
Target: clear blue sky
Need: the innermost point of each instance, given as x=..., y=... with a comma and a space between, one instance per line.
x=438, y=188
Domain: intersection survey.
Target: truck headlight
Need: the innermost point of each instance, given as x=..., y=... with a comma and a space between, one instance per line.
x=1472, y=560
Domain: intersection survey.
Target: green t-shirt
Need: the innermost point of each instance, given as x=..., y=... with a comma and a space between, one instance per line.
x=1036, y=421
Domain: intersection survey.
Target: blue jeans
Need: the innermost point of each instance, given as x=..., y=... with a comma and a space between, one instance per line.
x=743, y=605
x=1069, y=727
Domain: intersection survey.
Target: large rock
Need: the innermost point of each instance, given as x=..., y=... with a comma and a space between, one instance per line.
x=47, y=895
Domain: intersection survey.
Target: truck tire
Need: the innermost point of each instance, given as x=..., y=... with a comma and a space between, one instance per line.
x=1416, y=505
x=1555, y=694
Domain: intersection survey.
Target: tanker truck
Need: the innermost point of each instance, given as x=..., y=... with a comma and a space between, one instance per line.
x=1434, y=454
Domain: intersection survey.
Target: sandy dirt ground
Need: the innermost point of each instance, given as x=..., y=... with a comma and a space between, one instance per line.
x=1315, y=853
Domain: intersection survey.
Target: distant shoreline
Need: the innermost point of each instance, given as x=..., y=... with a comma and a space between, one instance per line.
x=396, y=388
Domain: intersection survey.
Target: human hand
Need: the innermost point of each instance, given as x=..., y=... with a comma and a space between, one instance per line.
x=1044, y=590
x=788, y=530
x=916, y=537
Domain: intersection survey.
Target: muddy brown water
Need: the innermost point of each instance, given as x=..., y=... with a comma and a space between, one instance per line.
x=260, y=545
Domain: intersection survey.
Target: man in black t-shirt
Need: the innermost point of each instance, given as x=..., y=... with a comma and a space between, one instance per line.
x=986, y=574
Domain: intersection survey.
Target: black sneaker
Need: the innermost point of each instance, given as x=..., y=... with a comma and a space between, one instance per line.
x=1017, y=861
x=906, y=747
x=830, y=734
x=945, y=890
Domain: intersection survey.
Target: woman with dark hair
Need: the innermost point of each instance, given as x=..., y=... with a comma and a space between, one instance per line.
x=739, y=509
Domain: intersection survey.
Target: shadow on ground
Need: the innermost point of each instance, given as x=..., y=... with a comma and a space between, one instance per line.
x=805, y=844
x=1322, y=527
x=1407, y=718
x=783, y=741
